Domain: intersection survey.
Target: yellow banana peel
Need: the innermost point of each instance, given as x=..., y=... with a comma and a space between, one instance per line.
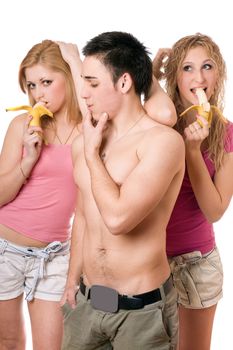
x=36, y=112
x=204, y=109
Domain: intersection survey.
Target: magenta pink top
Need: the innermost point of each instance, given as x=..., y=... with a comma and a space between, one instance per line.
x=43, y=208
x=188, y=230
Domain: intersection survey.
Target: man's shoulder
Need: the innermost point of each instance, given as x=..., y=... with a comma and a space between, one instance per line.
x=159, y=133
x=161, y=140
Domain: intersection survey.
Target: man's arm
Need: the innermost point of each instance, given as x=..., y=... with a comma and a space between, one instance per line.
x=75, y=263
x=123, y=207
x=159, y=106
x=78, y=227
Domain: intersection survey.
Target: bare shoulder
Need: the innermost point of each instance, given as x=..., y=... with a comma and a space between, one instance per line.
x=168, y=135
x=18, y=121
x=162, y=134
x=16, y=127
x=11, y=150
x=162, y=140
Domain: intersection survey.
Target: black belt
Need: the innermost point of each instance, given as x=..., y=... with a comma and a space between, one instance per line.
x=108, y=299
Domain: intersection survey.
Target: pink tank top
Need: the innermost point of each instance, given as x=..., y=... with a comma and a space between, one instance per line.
x=188, y=229
x=44, y=206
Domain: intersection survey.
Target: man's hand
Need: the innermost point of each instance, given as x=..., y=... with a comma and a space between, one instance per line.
x=69, y=296
x=93, y=133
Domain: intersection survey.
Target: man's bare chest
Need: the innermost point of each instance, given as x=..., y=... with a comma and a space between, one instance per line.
x=119, y=164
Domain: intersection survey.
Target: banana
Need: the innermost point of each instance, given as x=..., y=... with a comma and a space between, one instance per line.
x=204, y=109
x=36, y=112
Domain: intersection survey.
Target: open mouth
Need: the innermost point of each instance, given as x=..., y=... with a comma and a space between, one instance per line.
x=193, y=90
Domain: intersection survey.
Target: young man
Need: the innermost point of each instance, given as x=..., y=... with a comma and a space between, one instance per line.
x=128, y=169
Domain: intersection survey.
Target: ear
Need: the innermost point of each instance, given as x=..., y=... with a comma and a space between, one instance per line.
x=125, y=82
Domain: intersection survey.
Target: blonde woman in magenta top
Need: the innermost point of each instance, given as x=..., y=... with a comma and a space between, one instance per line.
x=195, y=61
x=38, y=194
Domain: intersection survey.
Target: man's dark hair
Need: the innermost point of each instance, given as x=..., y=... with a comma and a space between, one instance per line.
x=122, y=53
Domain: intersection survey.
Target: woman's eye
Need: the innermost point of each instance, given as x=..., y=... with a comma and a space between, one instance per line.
x=47, y=82
x=187, y=68
x=207, y=66
x=31, y=86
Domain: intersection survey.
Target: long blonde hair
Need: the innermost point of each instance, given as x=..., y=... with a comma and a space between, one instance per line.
x=171, y=69
x=48, y=53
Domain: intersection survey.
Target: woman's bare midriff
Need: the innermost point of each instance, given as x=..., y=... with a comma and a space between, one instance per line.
x=19, y=239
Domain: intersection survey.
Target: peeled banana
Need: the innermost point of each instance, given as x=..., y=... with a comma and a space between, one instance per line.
x=204, y=109
x=36, y=112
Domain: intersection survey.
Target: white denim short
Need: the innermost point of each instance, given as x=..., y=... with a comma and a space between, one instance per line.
x=198, y=278
x=38, y=272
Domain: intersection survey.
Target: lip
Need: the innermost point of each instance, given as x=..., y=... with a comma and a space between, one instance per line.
x=44, y=103
x=89, y=107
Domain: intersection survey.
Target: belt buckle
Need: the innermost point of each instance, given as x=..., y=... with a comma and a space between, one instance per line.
x=104, y=298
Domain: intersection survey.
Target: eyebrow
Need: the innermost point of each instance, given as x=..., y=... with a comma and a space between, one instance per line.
x=41, y=80
x=190, y=62
x=88, y=77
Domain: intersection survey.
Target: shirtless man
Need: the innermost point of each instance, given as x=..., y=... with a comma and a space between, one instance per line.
x=128, y=169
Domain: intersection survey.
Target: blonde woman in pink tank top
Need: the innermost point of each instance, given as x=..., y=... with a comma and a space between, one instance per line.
x=37, y=201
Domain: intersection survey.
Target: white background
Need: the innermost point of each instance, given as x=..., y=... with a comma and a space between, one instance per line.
x=155, y=23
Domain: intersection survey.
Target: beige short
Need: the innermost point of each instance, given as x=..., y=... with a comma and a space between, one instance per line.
x=154, y=326
x=198, y=278
x=17, y=273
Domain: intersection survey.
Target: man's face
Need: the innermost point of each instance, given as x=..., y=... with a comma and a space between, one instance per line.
x=98, y=89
